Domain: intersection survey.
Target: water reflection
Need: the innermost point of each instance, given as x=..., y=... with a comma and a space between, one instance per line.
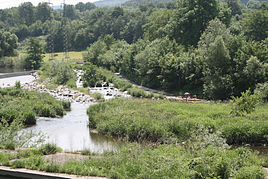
x=71, y=132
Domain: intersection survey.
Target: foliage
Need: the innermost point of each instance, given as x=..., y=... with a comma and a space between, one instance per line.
x=17, y=85
x=153, y=43
x=262, y=91
x=61, y=73
x=34, y=54
x=91, y=76
x=24, y=106
x=245, y=104
x=256, y=25
x=168, y=122
x=9, y=42
x=163, y=161
x=48, y=149
x=13, y=137
x=191, y=19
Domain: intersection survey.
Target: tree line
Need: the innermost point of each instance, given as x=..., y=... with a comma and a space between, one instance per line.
x=215, y=48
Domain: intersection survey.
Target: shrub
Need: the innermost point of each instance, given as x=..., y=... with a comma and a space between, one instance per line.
x=262, y=91
x=255, y=172
x=29, y=118
x=48, y=149
x=61, y=72
x=17, y=85
x=244, y=104
x=66, y=105
x=71, y=83
x=136, y=92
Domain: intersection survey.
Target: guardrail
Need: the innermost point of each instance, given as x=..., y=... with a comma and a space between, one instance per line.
x=9, y=75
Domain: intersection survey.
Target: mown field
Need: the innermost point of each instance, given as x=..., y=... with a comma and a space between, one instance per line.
x=73, y=55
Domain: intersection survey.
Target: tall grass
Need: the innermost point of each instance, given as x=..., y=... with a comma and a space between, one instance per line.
x=162, y=121
x=166, y=161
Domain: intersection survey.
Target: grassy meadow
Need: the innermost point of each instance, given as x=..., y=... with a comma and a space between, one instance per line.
x=73, y=55
x=164, y=121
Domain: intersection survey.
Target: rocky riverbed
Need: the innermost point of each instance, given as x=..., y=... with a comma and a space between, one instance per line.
x=64, y=93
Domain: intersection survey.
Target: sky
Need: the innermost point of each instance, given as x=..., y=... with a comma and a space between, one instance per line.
x=15, y=3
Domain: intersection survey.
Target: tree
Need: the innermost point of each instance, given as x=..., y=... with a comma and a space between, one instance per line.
x=8, y=43
x=91, y=76
x=191, y=19
x=43, y=12
x=256, y=25
x=235, y=5
x=217, y=80
x=34, y=54
x=26, y=13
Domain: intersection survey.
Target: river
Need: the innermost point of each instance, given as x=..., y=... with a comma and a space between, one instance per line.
x=71, y=132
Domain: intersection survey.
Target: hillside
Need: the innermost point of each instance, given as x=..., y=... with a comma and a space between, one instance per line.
x=135, y=3
x=109, y=3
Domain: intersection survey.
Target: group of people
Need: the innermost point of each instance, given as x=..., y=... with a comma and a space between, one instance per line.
x=188, y=95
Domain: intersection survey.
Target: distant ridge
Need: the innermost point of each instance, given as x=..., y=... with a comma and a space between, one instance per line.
x=102, y=3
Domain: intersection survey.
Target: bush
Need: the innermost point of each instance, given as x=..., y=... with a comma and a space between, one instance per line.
x=48, y=149
x=245, y=104
x=255, y=172
x=29, y=118
x=262, y=91
x=66, y=105
x=17, y=85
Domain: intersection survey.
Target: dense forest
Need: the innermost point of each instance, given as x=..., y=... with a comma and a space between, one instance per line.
x=214, y=48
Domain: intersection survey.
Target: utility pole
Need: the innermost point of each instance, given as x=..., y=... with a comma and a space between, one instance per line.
x=65, y=32
x=50, y=36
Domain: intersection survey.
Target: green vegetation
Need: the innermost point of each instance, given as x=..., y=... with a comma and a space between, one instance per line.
x=216, y=49
x=9, y=42
x=59, y=72
x=245, y=104
x=35, y=52
x=23, y=106
x=164, y=121
x=94, y=76
x=135, y=161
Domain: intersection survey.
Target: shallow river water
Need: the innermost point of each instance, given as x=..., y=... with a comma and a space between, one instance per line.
x=71, y=132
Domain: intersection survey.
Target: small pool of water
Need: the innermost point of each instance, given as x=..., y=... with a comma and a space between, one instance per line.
x=72, y=133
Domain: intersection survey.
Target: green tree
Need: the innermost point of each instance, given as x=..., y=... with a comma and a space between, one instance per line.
x=91, y=76
x=26, y=13
x=217, y=80
x=256, y=25
x=235, y=5
x=8, y=43
x=43, y=12
x=34, y=54
x=191, y=19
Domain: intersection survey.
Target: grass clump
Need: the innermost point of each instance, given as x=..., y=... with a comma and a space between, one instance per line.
x=164, y=121
x=25, y=106
x=48, y=149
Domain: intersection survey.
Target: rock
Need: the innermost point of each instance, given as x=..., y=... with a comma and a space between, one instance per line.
x=109, y=94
